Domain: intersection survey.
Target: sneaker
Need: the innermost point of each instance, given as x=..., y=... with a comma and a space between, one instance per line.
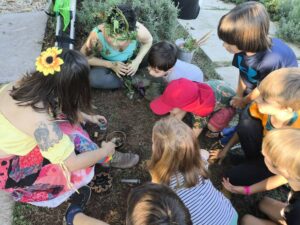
x=124, y=160
x=82, y=197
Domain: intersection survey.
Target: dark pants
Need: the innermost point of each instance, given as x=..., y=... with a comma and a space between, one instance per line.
x=250, y=132
x=104, y=78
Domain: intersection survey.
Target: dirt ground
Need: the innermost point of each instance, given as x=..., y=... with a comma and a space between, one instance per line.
x=135, y=119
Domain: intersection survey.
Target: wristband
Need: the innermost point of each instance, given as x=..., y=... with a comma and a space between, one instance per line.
x=247, y=190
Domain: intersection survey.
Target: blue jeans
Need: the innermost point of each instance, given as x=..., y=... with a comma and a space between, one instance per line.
x=104, y=78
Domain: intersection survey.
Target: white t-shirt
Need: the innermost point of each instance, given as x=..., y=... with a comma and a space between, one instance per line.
x=186, y=70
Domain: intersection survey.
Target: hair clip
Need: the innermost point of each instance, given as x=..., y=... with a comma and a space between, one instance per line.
x=48, y=62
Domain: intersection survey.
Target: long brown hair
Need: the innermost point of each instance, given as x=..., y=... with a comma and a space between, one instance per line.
x=67, y=91
x=175, y=149
x=247, y=27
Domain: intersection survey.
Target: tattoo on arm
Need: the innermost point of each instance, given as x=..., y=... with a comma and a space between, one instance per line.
x=44, y=138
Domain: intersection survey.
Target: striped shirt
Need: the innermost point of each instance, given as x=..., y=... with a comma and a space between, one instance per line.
x=206, y=204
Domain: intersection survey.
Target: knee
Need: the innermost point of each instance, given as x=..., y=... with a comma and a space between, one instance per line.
x=212, y=128
x=264, y=203
x=247, y=220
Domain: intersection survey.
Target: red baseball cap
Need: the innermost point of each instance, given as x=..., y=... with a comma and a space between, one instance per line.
x=187, y=95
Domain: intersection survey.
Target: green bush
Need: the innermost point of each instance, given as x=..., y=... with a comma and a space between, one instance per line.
x=289, y=26
x=273, y=7
x=159, y=16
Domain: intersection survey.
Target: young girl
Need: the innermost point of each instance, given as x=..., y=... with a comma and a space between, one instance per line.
x=277, y=106
x=176, y=161
x=110, y=48
x=281, y=155
x=207, y=102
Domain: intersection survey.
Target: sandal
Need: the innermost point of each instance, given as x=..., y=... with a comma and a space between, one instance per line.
x=101, y=182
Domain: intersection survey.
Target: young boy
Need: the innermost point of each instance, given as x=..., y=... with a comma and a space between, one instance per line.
x=207, y=102
x=278, y=106
x=281, y=155
x=279, y=147
x=163, y=62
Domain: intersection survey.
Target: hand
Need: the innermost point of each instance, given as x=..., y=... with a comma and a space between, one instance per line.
x=109, y=147
x=238, y=102
x=119, y=68
x=132, y=67
x=231, y=188
x=96, y=119
x=217, y=154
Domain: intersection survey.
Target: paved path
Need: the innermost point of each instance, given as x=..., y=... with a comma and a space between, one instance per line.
x=21, y=39
x=210, y=13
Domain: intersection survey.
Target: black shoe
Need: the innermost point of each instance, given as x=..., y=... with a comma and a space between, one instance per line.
x=72, y=210
x=82, y=198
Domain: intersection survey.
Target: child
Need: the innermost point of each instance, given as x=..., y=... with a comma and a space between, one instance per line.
x=176, y=161
x=147, y=204
x=163, y=62
x=277, y=106
x=208, y=102
x=244, y=31
x=279, y=147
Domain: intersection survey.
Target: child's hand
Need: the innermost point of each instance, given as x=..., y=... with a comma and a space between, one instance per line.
x=238, y=102
x=96, y=119
x=232, y=188
x=217, y=154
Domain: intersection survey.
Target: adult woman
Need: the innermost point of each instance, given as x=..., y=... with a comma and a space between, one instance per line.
x=38, y=163
x=111, y=47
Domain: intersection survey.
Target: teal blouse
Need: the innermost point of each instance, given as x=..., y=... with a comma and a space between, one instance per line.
x=111, y=54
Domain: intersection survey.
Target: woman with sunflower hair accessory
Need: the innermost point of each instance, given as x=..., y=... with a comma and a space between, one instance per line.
x=40, y=131
x=111, y=48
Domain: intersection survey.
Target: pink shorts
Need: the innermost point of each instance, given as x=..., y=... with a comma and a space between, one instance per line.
x=220, y=119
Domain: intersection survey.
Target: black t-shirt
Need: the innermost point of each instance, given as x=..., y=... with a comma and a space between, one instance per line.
x=292, y=210
x=255, y=68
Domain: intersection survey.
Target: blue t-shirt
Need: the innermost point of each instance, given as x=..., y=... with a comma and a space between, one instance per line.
x=255, y=68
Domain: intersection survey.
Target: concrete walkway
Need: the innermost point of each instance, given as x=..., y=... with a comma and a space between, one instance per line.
x=208, y=19
x=21, y=39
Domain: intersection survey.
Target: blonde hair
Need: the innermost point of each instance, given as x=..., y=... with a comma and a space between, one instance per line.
x=283, y=86
x=175, y=149
x=281, y=146
x=247, y=27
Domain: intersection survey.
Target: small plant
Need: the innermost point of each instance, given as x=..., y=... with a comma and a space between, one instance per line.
x=190, y=44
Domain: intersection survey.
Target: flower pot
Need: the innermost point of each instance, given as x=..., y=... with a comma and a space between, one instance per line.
x=184, y=55
x=189, y=9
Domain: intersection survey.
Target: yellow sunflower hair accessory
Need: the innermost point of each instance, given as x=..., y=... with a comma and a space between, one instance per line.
x=49, y=62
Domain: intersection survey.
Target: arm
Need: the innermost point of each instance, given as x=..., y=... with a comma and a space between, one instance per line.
x=237, y=101
x=264, y=185
x=93, y=42
x=221, y=153
x=57, y=147
x=91, y=118
x=89, y=158
x=145, y=38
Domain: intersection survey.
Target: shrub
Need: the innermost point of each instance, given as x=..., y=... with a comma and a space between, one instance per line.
x=159, y=16
x=289, y=26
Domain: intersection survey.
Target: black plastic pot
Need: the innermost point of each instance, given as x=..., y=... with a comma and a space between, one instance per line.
x=189, y=9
